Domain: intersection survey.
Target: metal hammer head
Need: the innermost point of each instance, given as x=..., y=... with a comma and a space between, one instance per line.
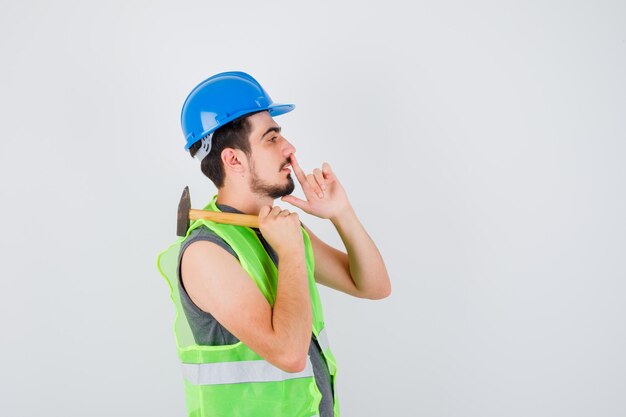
x=183, y=213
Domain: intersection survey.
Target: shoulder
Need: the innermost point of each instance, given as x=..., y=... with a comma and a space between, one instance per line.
x=203, y=233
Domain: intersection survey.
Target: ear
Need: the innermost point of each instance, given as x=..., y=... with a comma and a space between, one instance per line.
x=234, y=160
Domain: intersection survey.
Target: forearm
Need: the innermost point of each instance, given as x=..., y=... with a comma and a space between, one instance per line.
x=367, y=267
x=291, y=316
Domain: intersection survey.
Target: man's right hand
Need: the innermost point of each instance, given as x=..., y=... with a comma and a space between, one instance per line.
x=281, y=229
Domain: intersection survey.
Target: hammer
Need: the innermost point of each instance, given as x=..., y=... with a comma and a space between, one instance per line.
x=186, y=213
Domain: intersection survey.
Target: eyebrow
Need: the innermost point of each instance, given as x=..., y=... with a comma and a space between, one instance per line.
x=271, y=129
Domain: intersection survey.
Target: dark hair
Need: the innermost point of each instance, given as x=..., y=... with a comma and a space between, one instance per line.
x=233, y=134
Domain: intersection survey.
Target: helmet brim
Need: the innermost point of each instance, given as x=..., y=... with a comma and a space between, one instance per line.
x=278, y=109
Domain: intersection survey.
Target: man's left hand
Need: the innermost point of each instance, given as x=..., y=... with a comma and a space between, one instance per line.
x=325, y=197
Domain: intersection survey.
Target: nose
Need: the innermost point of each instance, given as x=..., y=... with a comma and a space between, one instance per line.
x=289, y=149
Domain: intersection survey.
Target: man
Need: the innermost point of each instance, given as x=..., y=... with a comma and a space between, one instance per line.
x=253, y=342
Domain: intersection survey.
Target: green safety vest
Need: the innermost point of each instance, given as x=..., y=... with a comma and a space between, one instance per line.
x=233, y=380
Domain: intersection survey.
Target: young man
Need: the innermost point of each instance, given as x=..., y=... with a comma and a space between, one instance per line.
x=249, y=296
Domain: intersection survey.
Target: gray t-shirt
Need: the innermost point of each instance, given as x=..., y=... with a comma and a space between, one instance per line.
x=208, y=331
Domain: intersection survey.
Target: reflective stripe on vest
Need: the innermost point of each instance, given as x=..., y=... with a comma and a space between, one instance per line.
x=322, y=339
x=240, y=372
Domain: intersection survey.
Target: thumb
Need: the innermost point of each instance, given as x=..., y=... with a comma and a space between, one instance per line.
x=295, y=201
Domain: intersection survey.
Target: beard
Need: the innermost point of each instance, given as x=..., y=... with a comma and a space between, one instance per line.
x=260, y=187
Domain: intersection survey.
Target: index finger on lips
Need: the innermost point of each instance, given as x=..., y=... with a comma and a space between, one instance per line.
x=299, y=173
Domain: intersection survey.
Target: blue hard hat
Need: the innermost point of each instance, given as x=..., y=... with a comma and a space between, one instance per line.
x=222, y=98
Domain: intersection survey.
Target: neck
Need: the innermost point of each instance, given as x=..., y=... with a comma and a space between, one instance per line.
x=243, y=200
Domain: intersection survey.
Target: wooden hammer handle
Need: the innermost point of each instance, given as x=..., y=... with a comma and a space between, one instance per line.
x=247, y=220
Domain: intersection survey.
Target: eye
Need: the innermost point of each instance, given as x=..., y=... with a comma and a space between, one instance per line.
x=273, y=139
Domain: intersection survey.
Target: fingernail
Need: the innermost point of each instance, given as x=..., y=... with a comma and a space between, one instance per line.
x=321, y=195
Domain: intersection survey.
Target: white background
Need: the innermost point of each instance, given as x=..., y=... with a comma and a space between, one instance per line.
x=481, y=144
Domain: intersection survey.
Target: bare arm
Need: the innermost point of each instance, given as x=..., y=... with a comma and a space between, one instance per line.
x=363, y=264
x=217, y=284
x=292, y=316
x=361, y=272
x=366, y=265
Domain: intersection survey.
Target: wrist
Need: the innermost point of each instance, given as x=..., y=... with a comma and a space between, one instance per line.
x=344, y=216
x=296, y=250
